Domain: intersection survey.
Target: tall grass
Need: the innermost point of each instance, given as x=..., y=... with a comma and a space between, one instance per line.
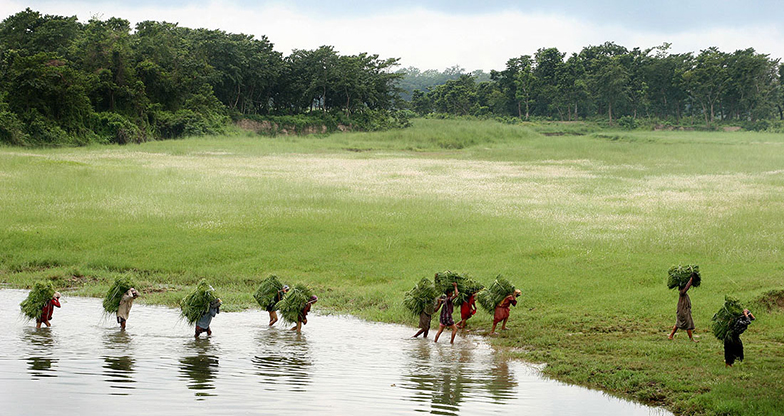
x=587, y=226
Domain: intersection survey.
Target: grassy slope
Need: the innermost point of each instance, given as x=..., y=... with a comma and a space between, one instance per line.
x=586, y=225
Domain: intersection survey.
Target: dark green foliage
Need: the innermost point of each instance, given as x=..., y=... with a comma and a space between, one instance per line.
x=67, y=83
x=111, y=302
x=268, y=289
x=466, y=286
x=116, y=128
x=292, y=305
x=679, y=276
x=420, y=297
x=493, y=295
x=41, y=293
x=196, y=304
x=722, y=321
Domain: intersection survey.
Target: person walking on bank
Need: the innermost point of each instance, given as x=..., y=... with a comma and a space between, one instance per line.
x=733, y=346
x=502, y=311
x=124, y=310
x=683, y=319
x=447, y=307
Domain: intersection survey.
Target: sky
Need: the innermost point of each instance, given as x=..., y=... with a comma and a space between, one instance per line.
x=437, y=34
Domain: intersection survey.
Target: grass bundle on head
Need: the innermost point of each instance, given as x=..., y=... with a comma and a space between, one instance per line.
x=268, y=289
x=41, y=293
x=423, y=294
x=466, y=286
x=679, y=276
x=724, y=319
x=195, y=305
x=292, y=305
x=493, y=295
x=111, y=302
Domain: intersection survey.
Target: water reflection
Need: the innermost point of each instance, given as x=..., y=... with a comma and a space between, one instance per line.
x=200, y=369
x=285, y=359
x=502, y=385
x=40, y=342
x=39, y=367
x=119, y=373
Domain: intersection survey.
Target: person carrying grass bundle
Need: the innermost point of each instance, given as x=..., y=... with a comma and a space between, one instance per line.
x=467, y=310
x=447, y=307
x=733, y=346
x=124, y=309
x=683, y=319
x=273, y=314
x=47, y=310
x=303, y=317
x=421, y=301
x=203, y=324
x=40, y=303
x=503, y=310
x=727, y=324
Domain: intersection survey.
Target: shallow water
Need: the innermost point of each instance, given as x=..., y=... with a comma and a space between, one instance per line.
x=339, y=365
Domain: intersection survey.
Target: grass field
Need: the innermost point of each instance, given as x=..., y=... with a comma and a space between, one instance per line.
x=586, y=225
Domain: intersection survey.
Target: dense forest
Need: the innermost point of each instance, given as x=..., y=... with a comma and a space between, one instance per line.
x=66, y=82
x=63, y=82
x=613, y=82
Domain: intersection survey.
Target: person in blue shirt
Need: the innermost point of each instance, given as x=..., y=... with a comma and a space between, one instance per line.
x=203, y=325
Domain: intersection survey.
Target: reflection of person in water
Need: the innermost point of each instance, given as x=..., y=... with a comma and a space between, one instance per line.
x=125, y=306
x=119, y=370
x=47, y=310
x=203, y=324
x=201, y=370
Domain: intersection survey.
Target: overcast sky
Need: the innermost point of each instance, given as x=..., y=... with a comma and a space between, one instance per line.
x=470, y=33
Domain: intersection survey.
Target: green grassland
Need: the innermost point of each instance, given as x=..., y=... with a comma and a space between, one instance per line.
x=585, y=223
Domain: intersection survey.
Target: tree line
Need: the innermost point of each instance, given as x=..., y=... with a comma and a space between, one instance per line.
x=66, y=82
x=612, y=82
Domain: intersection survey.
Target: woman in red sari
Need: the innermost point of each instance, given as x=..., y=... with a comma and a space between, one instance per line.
x=502, y=310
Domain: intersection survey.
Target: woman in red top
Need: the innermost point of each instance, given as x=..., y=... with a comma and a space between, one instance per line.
x=467, y=310
x=502, y=310
x=47, y=310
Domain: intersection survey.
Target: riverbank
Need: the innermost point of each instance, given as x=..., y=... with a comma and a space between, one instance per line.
x=586, y=226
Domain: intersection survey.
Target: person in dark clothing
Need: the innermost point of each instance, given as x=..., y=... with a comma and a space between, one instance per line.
x=733, y=346
x=447, y=307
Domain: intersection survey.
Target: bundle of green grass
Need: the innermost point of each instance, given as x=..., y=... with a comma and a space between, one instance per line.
x=267, y=291
x=111, y=302
x=41, y=293
x=493, y=295
x=292, y=305
x=420, y=297
x=466, y=286
x=679, y=276
x=724, y=319
x=196, y=304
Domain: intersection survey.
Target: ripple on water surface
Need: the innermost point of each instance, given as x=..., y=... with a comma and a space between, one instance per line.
x=339, y=365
